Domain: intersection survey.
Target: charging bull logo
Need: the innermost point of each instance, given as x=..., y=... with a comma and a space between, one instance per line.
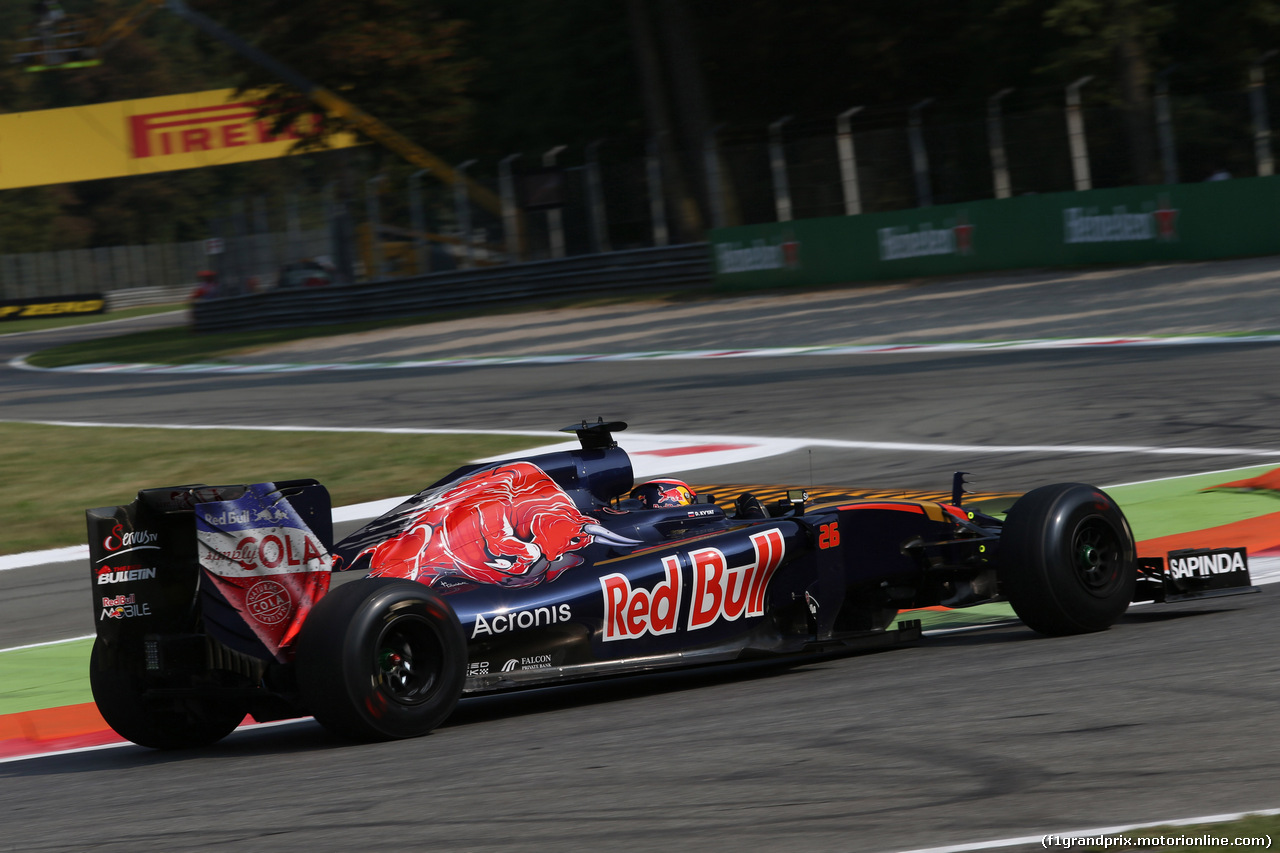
x=510, y=525
x=670, y=497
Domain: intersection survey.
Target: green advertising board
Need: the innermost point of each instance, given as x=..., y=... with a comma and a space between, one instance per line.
x=1127, y=225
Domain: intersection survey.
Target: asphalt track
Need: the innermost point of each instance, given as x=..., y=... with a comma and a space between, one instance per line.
x=964, y=738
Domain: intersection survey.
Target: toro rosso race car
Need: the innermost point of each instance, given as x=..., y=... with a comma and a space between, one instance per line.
x=213, y=602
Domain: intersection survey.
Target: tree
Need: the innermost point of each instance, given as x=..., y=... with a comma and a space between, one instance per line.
x=1127, y=33
x=398, y=60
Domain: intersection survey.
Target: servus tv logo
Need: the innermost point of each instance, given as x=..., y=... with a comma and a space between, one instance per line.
x=719, y=591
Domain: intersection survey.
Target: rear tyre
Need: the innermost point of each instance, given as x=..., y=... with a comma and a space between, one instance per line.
x=1068, y=564
x=118, y=679
x=381, y=658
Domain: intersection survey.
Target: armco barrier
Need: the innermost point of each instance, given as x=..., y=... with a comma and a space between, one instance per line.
x=652, y=269
x=1127, y=225
x=134, y=297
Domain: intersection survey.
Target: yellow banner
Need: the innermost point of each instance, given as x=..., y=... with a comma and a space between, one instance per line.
x=136, y=138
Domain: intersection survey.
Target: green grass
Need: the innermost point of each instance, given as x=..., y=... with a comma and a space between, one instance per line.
x=45, y=677
x=1249, y=827
x=180, y=345
x=50, y=475
x=9, y=327
x=1166, y=507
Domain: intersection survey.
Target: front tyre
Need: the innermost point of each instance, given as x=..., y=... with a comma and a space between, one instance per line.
x=381, y=658
x=119, y=681
x=1068, y=564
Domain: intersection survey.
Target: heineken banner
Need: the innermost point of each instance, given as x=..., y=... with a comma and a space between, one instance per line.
x=1115, y=226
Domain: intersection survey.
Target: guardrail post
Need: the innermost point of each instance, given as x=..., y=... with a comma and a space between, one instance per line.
x=595, y=197
x=555, y=217
x=848, y=162
x=418, y=222
x=510, y=212
x=462, y=206
x=1075, y=136
x=657, y=196
x=919, y=156
x=778, y=166
x=1261, y=121
x=995, y=143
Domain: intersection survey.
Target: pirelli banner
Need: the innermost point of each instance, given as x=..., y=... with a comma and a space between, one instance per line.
x=139, y=137
x=1218, y=219
x=52, y=306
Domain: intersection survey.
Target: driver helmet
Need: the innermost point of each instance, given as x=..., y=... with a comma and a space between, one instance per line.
x=659, y=493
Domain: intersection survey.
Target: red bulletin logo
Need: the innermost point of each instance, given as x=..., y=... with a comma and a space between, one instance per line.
x=201, y=129
x=719, y=591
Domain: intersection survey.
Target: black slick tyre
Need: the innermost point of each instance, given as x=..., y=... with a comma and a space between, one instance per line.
x=1068, y=564
x=119, y=683
x=380, y=659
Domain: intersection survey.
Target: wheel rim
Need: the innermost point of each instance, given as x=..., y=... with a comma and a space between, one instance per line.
x=408, y=660
x=1097, y=556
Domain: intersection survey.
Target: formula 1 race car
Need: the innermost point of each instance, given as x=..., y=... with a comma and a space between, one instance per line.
x=216, y=601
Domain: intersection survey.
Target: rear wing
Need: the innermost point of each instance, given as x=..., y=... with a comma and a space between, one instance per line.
x=243, y=564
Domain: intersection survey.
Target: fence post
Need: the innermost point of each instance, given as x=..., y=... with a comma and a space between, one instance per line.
x=657, y=197
x=919, y=156
x=1164, y=127
x=418, y=222
x=1261, y=122
x=595, y=197
x=995, y=141
x=462, y=206
x=510, y=211
x=120, y=274
x=848, y=162
x=373, y=213
x=715, y=191
x=294, y=248
x=264, y=241
x=1075, y=135
x=778, y=166
x=555, y=218
x=138, y=272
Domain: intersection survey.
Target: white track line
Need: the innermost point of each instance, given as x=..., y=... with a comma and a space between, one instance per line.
x=778, y=445
x=20, y=362
x=652, y=455
x=99, y=323
x=1092, y=833
x=48, y=643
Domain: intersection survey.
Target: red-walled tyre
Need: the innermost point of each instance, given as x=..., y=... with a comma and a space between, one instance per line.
x=381, y=658
x=1068, y=564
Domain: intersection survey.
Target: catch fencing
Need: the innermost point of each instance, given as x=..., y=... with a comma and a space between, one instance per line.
x=653, y=270
x=41, y=274
x=371, y=220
